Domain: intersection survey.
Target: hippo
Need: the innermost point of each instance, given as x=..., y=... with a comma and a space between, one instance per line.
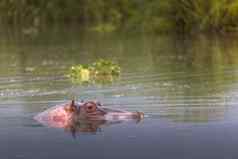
x=84, y=116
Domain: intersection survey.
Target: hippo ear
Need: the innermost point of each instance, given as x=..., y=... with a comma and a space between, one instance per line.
x=72, y=103
x=71, y=107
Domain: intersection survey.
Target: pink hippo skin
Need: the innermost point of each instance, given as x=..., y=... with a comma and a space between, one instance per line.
x=84, y=117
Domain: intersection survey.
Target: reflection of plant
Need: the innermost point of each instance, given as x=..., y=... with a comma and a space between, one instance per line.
x=102, y=72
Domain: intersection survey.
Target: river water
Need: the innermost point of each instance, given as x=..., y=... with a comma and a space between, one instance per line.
x=186, y=86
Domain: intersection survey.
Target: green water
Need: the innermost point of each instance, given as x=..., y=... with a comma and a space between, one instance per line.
x=186, y=86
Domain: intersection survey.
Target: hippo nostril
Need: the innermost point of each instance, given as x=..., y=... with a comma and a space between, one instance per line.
x=138, y=115
x=141, y=115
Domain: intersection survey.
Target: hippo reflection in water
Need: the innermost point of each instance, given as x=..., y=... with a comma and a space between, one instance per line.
x=84, y=117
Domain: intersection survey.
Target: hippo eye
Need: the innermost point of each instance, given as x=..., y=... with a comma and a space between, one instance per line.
x=91, y=108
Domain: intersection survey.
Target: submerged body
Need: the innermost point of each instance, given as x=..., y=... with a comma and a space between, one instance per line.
x=84, y=116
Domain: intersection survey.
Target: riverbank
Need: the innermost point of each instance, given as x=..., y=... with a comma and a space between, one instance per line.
x=156, y=16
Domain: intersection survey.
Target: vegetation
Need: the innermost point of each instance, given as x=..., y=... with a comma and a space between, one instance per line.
x=205, y=15
x=105, y=15
x=101, y=72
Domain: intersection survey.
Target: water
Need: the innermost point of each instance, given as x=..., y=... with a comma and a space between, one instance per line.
x=186, y=86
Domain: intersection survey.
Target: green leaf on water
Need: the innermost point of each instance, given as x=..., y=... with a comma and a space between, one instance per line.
x=99, y=72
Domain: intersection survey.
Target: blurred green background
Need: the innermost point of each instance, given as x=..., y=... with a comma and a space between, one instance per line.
x=183, y=16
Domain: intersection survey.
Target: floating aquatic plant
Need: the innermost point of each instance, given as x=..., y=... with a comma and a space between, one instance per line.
x=104, y=67
x=101, y=72
x=79, y=74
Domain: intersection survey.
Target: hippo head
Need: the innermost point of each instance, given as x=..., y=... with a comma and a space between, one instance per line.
x=84, y=115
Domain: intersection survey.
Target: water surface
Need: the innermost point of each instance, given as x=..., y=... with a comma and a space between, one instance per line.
x=186, y=86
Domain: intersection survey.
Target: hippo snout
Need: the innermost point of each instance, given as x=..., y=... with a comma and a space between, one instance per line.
x=113, y=114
